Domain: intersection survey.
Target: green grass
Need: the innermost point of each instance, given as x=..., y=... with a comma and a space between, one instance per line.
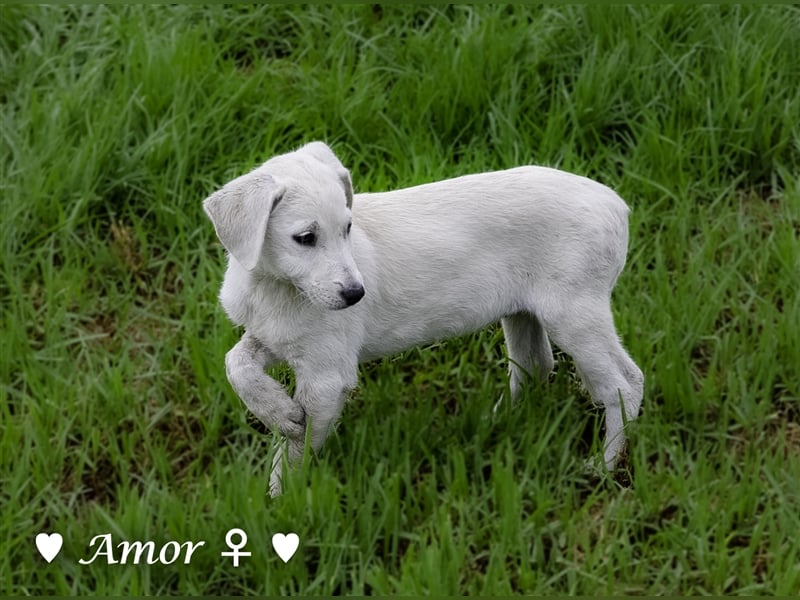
x=115, y=414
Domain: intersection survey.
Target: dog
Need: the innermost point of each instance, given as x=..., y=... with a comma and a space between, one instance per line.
x=322, y=279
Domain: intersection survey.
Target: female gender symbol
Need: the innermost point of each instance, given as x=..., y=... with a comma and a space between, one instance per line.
x=235, y=551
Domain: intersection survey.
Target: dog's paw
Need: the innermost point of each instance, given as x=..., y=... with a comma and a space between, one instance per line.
x=286, y=417
x=293, y=421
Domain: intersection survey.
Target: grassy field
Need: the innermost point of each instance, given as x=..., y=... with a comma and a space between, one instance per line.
x=115, y=413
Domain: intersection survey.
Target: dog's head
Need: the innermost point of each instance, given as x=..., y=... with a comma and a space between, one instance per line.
x=290, y=219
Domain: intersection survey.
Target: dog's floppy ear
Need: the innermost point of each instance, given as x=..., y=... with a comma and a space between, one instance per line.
x=239, y=212
x=324, y=154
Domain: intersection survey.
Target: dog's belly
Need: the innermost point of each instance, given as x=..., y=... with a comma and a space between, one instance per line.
x=399, y=328
x=404, y=340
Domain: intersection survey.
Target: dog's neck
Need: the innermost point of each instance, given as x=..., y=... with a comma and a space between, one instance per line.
x=279, y=289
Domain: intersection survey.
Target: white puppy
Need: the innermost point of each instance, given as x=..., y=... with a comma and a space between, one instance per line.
x=322, y=280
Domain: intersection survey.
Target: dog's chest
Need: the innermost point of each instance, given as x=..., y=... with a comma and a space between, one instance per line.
x=282, y=329
x=297, y=332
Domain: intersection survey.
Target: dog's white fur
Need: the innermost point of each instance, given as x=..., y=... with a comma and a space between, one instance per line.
x=536, y=248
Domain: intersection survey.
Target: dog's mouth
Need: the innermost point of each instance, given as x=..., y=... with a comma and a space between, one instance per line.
x=345, y=298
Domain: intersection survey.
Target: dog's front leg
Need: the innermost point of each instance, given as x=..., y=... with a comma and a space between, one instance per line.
x=263, y=396
x=321, y=392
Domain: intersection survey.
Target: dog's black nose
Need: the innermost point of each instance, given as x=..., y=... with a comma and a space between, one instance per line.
x=353, y=294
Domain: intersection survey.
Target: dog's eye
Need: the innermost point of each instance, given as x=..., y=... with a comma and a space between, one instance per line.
x=305, y=239
x=347, y=231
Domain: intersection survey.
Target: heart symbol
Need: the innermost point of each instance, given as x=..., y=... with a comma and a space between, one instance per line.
x=49, y=545
x=285, y=545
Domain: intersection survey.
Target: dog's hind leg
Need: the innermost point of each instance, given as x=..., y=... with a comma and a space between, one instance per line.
x=528, y=346
x=584, y=328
